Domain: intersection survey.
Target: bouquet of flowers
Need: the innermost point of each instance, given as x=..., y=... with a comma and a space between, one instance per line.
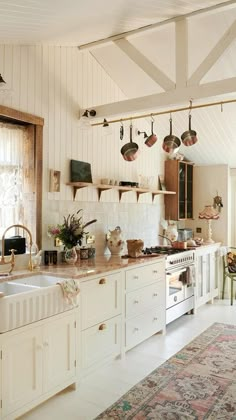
x=71, y=231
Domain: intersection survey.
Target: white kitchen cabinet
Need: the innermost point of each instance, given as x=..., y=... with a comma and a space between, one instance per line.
x=144, y=302
x=22, y=373
x=59, y=345
x=207, y=274
x=37, y=362
x=100, y=318
x=101, y=341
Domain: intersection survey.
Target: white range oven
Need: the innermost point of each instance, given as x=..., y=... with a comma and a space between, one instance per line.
x=180, y=280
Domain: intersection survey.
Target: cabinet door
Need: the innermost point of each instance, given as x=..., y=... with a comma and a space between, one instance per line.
x=100, y=299
x=179, y=178
x=206, y=280
x=214, y=274
x=59, y=351
x=189, y=192
x=182, y=175
x=22, y=367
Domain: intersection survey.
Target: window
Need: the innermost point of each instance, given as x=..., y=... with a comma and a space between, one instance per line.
x=21, y=172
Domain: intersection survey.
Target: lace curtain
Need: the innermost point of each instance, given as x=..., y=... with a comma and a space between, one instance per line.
x=12, y=138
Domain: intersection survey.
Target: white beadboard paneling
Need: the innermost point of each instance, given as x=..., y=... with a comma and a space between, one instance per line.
x=55, y=82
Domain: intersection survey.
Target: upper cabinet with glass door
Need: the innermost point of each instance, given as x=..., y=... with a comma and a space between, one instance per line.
x=179, y=178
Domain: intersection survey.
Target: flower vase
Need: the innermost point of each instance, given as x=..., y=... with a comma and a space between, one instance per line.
x=71, y=255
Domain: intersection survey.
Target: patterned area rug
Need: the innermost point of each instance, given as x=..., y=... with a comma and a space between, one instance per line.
x=198, y=382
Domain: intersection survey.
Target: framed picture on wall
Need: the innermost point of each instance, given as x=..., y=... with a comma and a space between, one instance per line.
x=54, y=181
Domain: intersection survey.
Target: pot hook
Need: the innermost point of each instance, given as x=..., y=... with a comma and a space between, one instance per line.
x=121, y=130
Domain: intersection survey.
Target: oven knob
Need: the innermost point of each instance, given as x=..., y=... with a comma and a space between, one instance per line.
x=175, y=298
x=171, y=262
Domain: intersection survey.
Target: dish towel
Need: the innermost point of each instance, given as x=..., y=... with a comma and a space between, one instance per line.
x=70, y=290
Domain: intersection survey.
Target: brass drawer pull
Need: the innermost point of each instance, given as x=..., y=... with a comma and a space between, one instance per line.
x=102, y=281
x=155, y=271
x=102, y=327
x=155, y=294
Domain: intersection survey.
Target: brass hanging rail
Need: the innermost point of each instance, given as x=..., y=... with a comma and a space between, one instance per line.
x=169, y=111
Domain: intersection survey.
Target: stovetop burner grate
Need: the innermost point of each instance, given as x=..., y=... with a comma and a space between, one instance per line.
x=162, y=250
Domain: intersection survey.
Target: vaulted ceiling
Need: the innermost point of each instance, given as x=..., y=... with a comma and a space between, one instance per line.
x=161, y=53
x=76, y=22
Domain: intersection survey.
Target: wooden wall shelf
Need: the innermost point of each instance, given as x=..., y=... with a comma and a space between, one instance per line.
x=102, y=187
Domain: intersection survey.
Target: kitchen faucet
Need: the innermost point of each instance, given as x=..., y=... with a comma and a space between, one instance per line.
x=12, y=259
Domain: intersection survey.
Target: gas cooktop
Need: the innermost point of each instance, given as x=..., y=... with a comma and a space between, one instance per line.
x=162, y=250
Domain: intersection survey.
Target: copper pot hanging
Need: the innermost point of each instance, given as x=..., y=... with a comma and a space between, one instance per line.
x=130, y=151
x=151, y=140
x=189, y=137
x=171, y=143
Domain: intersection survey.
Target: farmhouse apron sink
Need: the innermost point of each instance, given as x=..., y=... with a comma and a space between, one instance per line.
x=30, y=299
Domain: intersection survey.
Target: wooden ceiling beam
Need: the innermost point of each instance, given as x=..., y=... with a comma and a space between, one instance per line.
x=171, y=98
x=146, y=65
x=214, y=55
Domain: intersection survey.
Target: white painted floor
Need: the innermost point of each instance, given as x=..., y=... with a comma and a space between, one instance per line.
x=99, y=390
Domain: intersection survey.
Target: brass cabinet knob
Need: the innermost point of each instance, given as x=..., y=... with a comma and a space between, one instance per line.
x=102, y=327
x=102, y=281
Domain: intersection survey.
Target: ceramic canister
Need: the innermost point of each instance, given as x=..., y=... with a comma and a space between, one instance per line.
x=84, y=253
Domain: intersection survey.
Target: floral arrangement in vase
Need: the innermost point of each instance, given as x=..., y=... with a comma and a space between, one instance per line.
x=70, y=232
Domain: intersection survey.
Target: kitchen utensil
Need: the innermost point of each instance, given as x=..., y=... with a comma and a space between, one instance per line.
x=130, y=151
x=121, y=130
x=151, y=140
x=189, y=137
x=171, y=143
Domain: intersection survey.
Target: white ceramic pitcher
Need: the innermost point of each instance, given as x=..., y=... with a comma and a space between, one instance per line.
x=115, y=241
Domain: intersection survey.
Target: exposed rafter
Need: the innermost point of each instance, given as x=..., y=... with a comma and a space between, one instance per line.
x=152, y=71
x=214, y=55
x=181, y=53
x=175, y=97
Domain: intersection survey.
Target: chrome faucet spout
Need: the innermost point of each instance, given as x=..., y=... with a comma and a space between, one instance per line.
x=12, y=259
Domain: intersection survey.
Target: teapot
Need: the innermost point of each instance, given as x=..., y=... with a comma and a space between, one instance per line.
x=115, y=241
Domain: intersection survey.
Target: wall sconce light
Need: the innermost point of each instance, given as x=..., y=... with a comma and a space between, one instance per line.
x=209, y=214
x=1, y=80
x=4, y=90
x=145, y=136
x=84, y=121
x=107, y=129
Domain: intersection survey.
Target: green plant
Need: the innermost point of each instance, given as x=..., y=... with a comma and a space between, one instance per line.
x=71, y=231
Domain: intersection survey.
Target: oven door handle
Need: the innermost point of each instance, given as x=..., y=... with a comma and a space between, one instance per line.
x=176, y=271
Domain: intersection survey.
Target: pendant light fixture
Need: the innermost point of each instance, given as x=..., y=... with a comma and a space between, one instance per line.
x=106, y=128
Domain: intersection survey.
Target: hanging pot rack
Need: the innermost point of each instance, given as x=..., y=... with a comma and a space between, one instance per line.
x=169, y=111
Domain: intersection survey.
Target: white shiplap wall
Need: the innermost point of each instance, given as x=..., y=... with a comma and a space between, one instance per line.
x=54, y=82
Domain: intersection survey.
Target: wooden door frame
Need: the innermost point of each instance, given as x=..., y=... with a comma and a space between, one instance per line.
x=14, y=116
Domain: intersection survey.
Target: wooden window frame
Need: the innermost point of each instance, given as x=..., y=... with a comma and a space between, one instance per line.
x=18, y=117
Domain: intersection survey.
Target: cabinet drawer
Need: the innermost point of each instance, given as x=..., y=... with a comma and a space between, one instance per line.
x=100, y=299
x=142, y=299
x=142, y=276
x=101, y=341
x=141, y=327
